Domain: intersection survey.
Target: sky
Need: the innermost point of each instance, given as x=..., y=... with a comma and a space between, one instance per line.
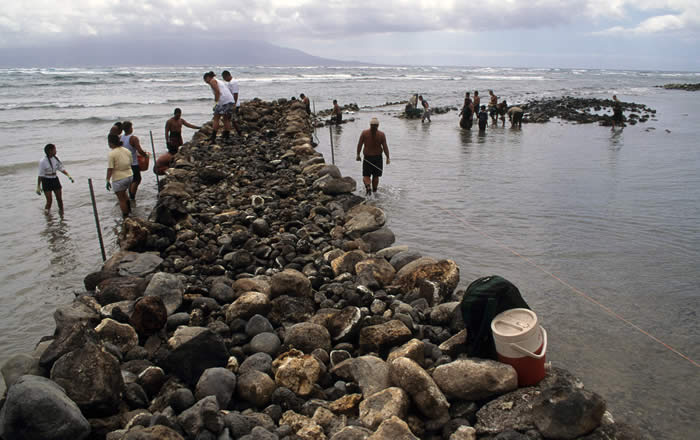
x=608, y=34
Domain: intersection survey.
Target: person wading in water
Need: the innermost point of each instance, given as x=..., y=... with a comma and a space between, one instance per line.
x=48, y=180
x=374, y=143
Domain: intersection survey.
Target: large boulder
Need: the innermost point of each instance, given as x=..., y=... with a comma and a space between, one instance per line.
x=384, y=405
x=362, y=219
x=381, y=337
x=307, y=337
x=194, y=350
x=169, y=288
x=289, y=282
x=424, y=392
x=37, y=408
x=381, y=270
x=67, y=339
x=132, y=264
x=81, y=310
x=369, y=372
x=92, y=379
x=116, y=289
x=18, y=366
x=335, y=186
x=379, y=239
x=218, y=382
x=296, y=371
x=475, y=380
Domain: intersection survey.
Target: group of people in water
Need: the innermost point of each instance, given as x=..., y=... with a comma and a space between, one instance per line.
x=473, y=109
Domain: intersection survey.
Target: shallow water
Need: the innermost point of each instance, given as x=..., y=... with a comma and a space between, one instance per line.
x=600, y=230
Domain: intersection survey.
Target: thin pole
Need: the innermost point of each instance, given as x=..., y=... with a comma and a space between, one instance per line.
x=154, y=160
x=314, y=104
x=330, y=130
x=97, y=221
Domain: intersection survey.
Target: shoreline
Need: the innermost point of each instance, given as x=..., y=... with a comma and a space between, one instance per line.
x=265, y=235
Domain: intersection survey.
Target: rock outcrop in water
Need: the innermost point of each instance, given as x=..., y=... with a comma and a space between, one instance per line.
x=262, y=299
x=583, y=110
x=689, y=87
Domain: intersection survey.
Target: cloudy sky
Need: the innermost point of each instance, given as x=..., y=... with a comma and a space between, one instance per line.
x=627, y=34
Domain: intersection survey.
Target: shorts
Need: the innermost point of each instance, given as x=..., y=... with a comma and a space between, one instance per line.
x=492, y=111
x=234, y=113
x=136, y=173
x=372, y=166
x=49, y=184
x=517, y=117
x=617, y=116
x=224, y=109
x=121, y=184
x=175, y=139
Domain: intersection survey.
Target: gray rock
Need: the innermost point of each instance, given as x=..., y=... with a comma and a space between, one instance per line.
x=181, y=399
x=156, y=432
x=133, y=264
x=169, y=288
x=78, y=311
x=441, y=314
x=256, y=362
x=393, y=429
x=401, y=259
x=307, y=337
x=362, y=219
x=119, y=289
x=194, y=350
x=258, y=324
x=256, y=387
x=19, y=365
x=290, y=282
x=352, y=433
x=260, y=433
x=383, y=405
x=369, y=372
x=424, y=392
x=475, y=380
x=218, y=382
x=92, y=379
x=567, y=413
x=202, y=415
x=247, y=305
x=37, y=408
x=177, y=319
x=67, y=339
x=379, y=239
x=335, y=186
x=238, y=424
x=266, y=343
x=223, y=293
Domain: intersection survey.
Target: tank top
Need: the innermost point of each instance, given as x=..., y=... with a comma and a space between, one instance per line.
x=225, y=95
x=126, y=143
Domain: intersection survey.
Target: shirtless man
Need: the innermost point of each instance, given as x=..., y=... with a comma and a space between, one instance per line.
x=223, y=106
x=477, y=103
x=173, y=129
x=337, y=115
x=426, y=109
x=307, y=103
x=374, y=142
x=467, y=113
x=233, y=88
x=493, y=102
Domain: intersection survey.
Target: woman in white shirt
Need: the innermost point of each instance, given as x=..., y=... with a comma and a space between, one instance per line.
x=48, y=179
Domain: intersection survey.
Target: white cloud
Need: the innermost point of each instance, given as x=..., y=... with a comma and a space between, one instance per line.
x=40, y=21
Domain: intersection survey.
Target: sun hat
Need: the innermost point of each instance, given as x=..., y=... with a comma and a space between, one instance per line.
x=374, y=121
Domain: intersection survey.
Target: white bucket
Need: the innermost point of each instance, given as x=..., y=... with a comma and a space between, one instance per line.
x=521, y=342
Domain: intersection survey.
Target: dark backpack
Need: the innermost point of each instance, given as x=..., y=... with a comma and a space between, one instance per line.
x=484, y=299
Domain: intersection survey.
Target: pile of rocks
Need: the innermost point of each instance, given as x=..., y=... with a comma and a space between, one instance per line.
x=689, y=87
x=583, y=110
x=262, y=299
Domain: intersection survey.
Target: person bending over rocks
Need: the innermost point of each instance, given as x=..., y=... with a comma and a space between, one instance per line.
x=163, y=161
x=173, y=129
x=223, y=104
x=374, y=143
x=515, y=114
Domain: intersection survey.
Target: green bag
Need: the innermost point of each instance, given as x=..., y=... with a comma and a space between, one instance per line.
x=484, y=299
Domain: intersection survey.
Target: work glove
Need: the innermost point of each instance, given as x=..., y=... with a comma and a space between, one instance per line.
x=108, y=186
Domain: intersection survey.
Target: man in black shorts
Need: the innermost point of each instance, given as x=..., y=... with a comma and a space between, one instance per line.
x=374, y=142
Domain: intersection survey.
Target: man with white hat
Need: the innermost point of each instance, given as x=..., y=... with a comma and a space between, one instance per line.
x=374, y=142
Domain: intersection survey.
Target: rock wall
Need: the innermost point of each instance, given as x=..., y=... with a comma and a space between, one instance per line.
x=262, y=299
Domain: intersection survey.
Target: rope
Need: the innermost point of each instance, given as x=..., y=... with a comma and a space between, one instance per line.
x=574, y=289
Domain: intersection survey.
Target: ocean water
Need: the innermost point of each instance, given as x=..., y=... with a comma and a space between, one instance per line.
x=599, y=229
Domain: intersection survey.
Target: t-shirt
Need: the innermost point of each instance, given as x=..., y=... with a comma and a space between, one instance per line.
x=49, y=166
x=119, y=159
x=233, y=88
x=225, y=95
x=126, y=143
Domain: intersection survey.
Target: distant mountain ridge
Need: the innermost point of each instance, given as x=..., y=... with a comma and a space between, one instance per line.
x=163, y=53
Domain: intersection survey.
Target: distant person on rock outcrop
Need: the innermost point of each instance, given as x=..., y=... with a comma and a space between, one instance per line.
x=233, y=88
x=173, y=129
x=163, y=161
x=426, y=109
x=337, y=115
x=374, y=142
x=223, y=105
x=617, y=113
x=515, y=114
x=307, y=103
